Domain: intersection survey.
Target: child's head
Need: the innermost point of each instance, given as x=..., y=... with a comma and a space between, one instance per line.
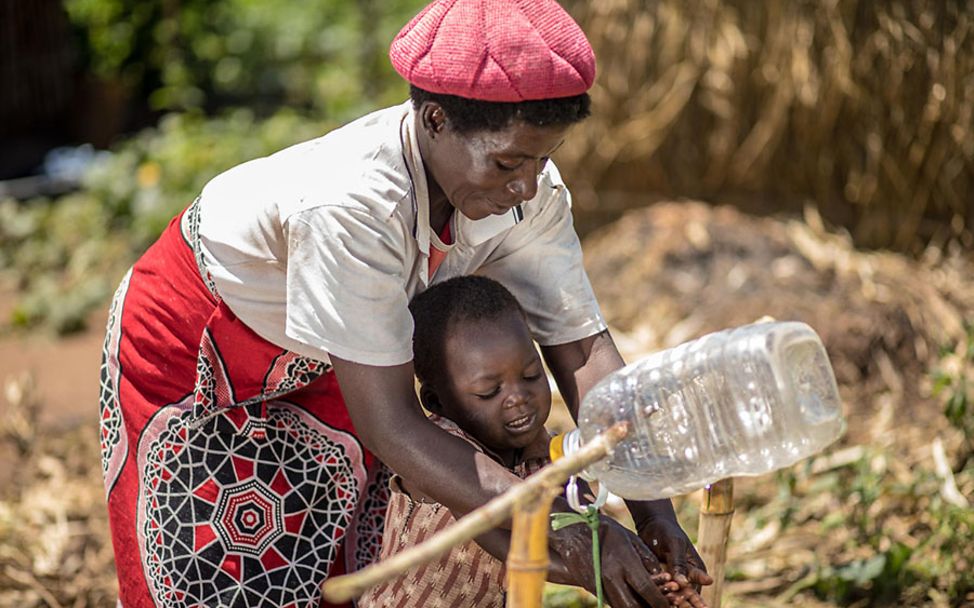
x=476, y=362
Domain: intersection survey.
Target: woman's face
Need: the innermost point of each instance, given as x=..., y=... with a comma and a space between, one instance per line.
x=488, y=172
x=497, y=389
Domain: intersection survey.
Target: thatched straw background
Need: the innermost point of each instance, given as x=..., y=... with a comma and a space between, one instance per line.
x=862, y=108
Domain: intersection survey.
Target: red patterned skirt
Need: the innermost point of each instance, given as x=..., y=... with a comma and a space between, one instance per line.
x=233, y=474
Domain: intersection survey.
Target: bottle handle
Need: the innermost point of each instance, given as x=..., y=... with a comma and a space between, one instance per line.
x=568, y=443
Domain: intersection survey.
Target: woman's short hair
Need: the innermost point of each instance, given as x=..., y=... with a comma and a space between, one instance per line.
x=440, y=308
x=469, y=115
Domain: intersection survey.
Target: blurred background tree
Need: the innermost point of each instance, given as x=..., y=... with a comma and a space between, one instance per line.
x=178, y=90
x=179, y=55
x=863, y=110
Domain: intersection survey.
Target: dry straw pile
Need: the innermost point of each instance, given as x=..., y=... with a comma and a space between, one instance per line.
x=864, y=108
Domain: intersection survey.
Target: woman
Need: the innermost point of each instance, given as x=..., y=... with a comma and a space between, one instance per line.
x=257, y=368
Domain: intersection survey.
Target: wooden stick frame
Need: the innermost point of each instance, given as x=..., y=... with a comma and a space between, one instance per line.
x=716, y=514
x=539, y=488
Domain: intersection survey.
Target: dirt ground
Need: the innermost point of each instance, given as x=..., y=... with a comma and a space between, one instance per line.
x=663, y=275
x=62, y=375
x=65, y=371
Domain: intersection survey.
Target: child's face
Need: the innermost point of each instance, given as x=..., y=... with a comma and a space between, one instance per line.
x=497, y=388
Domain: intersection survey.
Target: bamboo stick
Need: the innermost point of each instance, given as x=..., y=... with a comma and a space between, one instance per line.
x=716, y=514
x=527, y=560
x=344, y=588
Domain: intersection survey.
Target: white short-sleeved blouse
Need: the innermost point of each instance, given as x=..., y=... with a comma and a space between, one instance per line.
x=319, y=247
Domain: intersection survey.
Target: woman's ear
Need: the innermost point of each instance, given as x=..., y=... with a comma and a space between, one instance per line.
x=433, y=118
x=430, y=400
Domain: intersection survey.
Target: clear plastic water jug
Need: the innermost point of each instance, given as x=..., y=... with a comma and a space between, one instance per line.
x=743, y=401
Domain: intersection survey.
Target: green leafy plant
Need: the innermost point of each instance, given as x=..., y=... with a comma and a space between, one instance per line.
x=953, y=381
x=321, y=55
x=240, y=78
x=63, y=257
x=891, y=571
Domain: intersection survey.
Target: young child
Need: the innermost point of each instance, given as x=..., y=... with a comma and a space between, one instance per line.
x=482, y=380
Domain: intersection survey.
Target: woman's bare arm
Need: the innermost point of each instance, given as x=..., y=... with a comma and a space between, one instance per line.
x=388, y=419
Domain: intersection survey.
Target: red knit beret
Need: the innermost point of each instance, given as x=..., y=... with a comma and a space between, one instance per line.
x=495, y=50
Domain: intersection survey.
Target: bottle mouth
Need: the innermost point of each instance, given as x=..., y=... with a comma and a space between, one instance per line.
x=557, y=448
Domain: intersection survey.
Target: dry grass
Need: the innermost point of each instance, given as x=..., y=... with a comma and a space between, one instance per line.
x=862, y=108
x=55, y=548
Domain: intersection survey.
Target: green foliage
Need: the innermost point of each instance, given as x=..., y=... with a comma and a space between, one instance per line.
x=953, y=381
x=57, y=255
x=878, y=577
x=322, y=55
x=113, y=35
x=159, y=171
x=560, y=596
x=325, y=58
x=878, y=559
x=892, y=528
x=65, y=256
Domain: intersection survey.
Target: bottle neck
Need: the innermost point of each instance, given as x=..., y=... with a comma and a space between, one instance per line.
x=567, y=444
x=563, y=444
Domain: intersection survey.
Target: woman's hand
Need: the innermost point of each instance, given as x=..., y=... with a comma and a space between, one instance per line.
x=671, y=545
x=632, y=577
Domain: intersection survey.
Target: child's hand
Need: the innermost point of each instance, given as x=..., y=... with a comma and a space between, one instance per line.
x=665, y=583
x=677, y=588
x=678, y=596
x=628, y=566
x=670, y=544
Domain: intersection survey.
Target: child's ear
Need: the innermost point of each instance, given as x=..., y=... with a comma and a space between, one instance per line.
x=430, y=400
